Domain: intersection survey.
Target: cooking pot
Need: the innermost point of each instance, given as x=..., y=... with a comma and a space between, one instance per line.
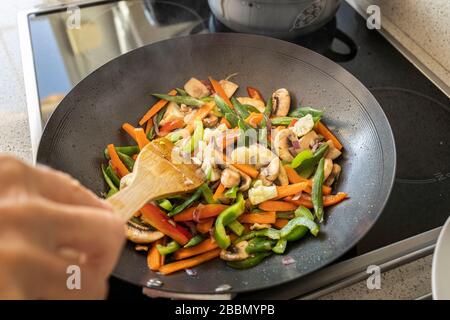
x=284, y=19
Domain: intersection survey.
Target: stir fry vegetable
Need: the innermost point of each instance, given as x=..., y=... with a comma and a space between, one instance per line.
x=269, y=169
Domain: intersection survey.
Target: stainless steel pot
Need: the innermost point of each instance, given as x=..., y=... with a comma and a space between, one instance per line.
x=277, y=18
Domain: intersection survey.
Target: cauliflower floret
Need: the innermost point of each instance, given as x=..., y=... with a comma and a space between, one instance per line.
x=303, y=125
x=260, y=193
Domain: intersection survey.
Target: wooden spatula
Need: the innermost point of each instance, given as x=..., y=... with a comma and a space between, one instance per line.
x=155, y=177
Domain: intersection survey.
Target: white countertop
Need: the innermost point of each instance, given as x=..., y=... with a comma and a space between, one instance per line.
x=422, y=26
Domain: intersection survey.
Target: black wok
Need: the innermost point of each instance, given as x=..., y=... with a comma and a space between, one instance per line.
x=90, y=117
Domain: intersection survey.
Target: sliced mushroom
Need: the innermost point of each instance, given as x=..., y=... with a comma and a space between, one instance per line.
x=258, y=104
x=229, y=87
x=269, y=173
x=335, y=172
x=303, y=125
x=245, y=180
x=230, y=178
x=327, y=167
x=260, y=226
x=281, y=102
x=332, y=151
x=282, y=142
x=141, y=236
x=308, y=140
x=238, y=252
x=173, y=112
x=195, y=88
x=283, y=179
x=259, y=155
x=210, y=121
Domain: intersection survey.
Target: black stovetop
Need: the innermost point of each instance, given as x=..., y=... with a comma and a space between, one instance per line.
x=419, y=113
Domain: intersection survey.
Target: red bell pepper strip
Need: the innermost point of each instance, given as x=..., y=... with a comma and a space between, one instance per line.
x=254, y=93
x=152, y=215
x=170, y=126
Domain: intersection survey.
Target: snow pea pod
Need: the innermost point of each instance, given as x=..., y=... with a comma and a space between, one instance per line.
x=127, y=160
x=187, y=100
x=316, y=195
x=128, y=150
x=303, y=111
x=112, y=186
x=240, y=109
x=194, y=197
x=113, y=176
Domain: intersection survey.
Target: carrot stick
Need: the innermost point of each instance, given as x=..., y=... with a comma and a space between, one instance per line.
x=291, y=189
x=327, y=134
x=189, y=263
x=328, y=200
x=153, y=257
x=219, y=191
x=219, y=90
x=295, y=178
x=203, y=212
x=245, y=168
x=155, y=108
x=277, y=206
x=280, y=223
x=264, y=217
x=128, y=128
x=116, y=163
x=170, y=126
x=141, y=138
x=205, y=225
x=148, y=126
x=254, y=93
x=254, y=119
x=204, y=246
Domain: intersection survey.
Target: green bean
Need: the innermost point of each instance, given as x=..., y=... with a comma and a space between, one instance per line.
x=187, y=100
x=316, y=195
x=127, y=160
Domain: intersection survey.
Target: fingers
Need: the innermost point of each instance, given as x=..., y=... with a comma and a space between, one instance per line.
x=60, y=187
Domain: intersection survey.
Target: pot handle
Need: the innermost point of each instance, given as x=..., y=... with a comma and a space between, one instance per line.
x=349, y=43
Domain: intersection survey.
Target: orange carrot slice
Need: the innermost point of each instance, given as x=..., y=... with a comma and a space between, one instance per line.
x=280, y=223
x=189, y=263
x=327, y=134
x=219, y=191
x=254, y=119
x=141, y=138
x=295, y=178
x=204, y=246
x=154, y=257
x=116, y=163
x=263, y=217
x=328, y=200
x=205, y=225
x=155, y=108
x=128, y=128
x=291, y=189
x=277, y=206
x=219, y=90
x=203, y=212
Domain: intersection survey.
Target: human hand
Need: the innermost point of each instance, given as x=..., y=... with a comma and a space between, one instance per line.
x=44, y=216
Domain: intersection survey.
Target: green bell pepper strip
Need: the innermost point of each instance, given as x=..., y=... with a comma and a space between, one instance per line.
x=237, y=228
x=300, y=231
x=181, y=92
x=113, y=176
x=269, y=107
x=187, y=100
x=207, y=193
x=301, y=157
x=232, y=119
x=282, y=121
x=165, y=204
x=127, y=160
x=232, y=192
x=299, y=221
x=170, y=248
x=225, y=218
x=303, y=111
x=259, y=244
x=197, y=136
x=194, y=197
x=306, y=169
x=251, y=261
x=270, y=233
x=222, y=105
x=280, y=247
x=128, y=150
x=194, y=241
x=316, y=194
x=240, y=109
x=108, y=180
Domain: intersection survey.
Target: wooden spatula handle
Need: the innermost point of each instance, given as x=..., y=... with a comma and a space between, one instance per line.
x=128, y=201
